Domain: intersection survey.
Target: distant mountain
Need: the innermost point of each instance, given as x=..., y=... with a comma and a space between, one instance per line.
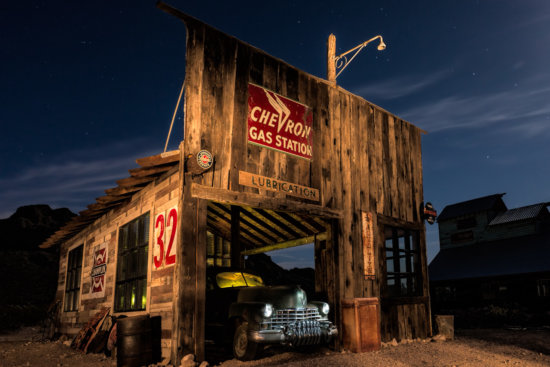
x=31, y=225
x=273, y=274
x=28, y=273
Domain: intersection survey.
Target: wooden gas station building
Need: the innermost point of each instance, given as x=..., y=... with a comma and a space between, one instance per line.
x=294, y=159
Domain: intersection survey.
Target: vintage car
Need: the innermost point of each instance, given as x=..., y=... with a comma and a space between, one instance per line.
x=241, y=310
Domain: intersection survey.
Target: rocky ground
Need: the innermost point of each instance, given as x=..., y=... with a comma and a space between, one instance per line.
x=470, y=348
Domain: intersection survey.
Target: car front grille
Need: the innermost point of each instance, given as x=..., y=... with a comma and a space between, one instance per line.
x=284, y=317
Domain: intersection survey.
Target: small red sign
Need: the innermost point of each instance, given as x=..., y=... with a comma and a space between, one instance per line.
x=430, y=214
x=279, y=123
x=99, y=269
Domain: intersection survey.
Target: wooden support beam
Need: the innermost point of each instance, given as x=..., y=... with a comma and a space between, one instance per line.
x=236, y=256
x=278, y=223
x=296, y=222
x=261, y=201
x=286, y=244
x=249, y=212
x=179, y=273
x=119, y=191
x=107, y=199
x=244, y=232
x=151, y=171
x=218, y=228
x=190, y=273
x=72, y=227
x=88, y=213
x=331, y=58
x=156, y=160
x=134, y=181
x=105, y=207
x=254, y=231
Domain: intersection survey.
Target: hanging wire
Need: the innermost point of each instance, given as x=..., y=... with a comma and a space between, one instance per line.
x=174, y=116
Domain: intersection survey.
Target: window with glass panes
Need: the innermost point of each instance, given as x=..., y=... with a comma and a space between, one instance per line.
x=131, y=275
x=403, y=267
x=218, y=250
x=72, y=283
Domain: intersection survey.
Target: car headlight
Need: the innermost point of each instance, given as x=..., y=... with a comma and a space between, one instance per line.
x=267, y=311
x=325, y=308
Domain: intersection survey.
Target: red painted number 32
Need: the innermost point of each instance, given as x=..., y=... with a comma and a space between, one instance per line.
x=165, y=230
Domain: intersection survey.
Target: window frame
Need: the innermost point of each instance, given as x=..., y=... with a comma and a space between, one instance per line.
x=218, y=250
x=73, y=279
x=410, y=250
x=132, y=265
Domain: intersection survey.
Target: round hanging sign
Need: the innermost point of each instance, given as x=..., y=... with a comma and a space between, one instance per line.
x=204, y=159
x=430, y=214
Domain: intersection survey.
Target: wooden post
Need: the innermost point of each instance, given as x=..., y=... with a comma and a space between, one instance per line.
x=236, y=258
x=178, y=272
x=190, y=273
x=200, y=284
x=331, y=56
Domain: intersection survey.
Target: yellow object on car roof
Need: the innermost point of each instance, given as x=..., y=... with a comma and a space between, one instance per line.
x=237, y=279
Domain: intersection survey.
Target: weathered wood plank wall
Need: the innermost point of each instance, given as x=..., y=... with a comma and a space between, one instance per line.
x=155, y=198
x=364, y=158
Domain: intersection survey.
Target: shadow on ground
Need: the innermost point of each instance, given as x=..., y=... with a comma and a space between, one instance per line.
x=536, y=340
x=216, y=354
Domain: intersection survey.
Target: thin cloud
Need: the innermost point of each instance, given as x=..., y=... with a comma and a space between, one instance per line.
x=400, y=87
x=541, y=18
x=523, y=109
x=531, y=129
x=72, y=182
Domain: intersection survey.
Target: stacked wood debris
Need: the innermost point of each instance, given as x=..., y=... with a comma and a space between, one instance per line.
x=150, y=168
x=89, y=332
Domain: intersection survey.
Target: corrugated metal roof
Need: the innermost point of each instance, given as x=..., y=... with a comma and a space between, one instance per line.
x=520, y=255
x=471, y=206
x=517, y=214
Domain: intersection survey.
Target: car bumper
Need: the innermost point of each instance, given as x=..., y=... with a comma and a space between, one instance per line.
x=294, y=335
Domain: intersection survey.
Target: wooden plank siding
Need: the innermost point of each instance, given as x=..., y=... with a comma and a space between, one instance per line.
x=154, y=198
x=364, y=158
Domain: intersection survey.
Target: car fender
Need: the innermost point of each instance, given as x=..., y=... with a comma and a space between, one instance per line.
x=250, y=312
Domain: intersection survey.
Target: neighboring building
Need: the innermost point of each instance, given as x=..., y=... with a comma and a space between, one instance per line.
x=491, y=255
x=343, y=173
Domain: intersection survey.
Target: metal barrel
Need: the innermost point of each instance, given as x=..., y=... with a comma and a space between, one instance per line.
x=134, y=342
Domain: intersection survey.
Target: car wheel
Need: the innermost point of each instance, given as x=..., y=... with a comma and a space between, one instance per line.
x=243, y=348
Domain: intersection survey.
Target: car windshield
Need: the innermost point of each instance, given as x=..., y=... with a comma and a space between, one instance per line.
x=237, y=279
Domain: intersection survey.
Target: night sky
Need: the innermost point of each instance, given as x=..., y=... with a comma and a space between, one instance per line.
x=88, y=87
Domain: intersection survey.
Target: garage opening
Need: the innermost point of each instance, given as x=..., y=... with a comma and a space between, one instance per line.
x=258, y=231
x=248, y=246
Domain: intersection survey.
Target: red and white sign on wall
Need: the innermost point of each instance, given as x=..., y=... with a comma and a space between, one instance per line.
x=164, y=249
x=99, y=268
x=279, y=123
x=369, y=260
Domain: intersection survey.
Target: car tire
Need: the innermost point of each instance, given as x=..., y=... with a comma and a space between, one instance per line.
x=243, y=348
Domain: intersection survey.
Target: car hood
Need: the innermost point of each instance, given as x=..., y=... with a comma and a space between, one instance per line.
x=283, y=296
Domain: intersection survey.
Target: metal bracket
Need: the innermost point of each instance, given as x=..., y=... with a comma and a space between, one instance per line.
x=341, y=62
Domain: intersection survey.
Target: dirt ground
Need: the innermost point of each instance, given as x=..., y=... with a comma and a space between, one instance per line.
x=469, y=348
